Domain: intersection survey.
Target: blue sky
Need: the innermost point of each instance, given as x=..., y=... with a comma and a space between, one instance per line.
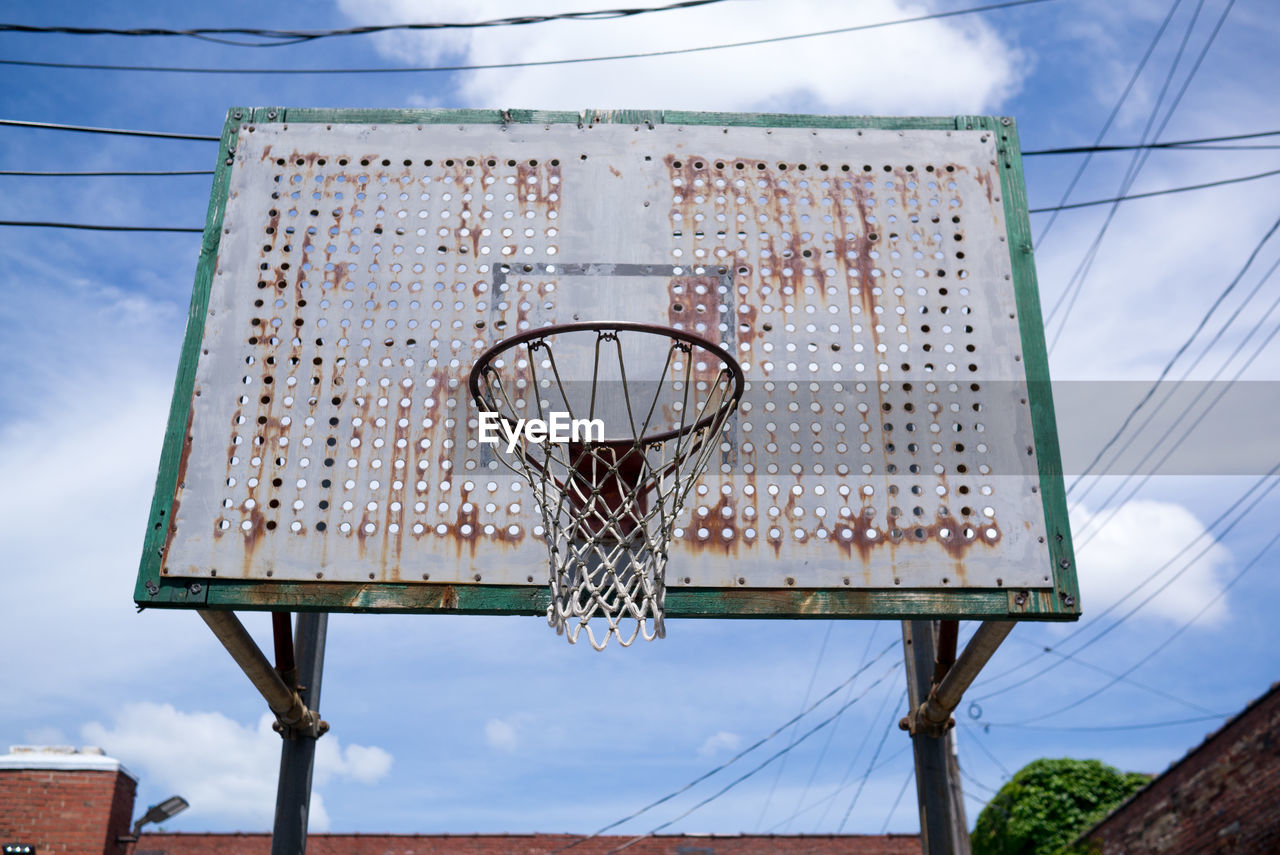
x=494, y=724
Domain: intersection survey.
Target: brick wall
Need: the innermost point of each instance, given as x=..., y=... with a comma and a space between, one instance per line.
x=1223, y=797
x=534, y=844
x=69, y=812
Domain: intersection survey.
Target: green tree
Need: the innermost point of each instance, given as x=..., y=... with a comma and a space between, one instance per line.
x=1048, y=804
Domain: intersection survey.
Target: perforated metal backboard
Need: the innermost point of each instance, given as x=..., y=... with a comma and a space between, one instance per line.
x=894, y=453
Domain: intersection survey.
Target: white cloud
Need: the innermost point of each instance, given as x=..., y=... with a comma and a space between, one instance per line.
x=721, y=741
x=225, y=769
x=1142, y=536
x=366, y=764
x=942, y=67
x=500, y=734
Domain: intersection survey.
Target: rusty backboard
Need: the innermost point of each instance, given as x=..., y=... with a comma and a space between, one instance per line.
x=894, y=451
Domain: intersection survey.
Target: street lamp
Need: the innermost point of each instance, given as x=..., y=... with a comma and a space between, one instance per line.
x=166, y=809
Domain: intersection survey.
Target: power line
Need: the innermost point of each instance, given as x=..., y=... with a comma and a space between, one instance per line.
x=822, y=651
x=1140, y=585
x=1075, y=285
x=1187, y=373
x=857, y=754
x=280, y=38
x=1164, y=644
x=829, y=797
x=822, y=755
x=93, y=227
x=1186, y=411
x=1135, y=683
x=112, y=173
x=972, y=780
x=1177, y=355
x=867, y=775
x=775, y=756
x=526, y=64
x=977, y=740
x=911, y=774
x=1077, y=631
x=777, y=730
x=1106, y=727
x=1150, y=596
x=1136, y=167
x=49, y=126
x=1202, y=141
x=1151, y=193
x=1106, y=126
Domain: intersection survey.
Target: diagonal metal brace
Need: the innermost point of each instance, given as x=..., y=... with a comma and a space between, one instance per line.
x=934, y=715
x=293, y=718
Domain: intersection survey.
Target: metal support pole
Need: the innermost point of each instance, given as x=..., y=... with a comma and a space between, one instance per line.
x=933, y=713
x=943, y=829
x=289, y=708
x=297, y=756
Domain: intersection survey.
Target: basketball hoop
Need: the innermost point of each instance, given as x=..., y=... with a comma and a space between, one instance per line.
x=659, y=399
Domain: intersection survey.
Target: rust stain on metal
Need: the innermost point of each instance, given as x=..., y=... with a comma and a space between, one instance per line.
x=171, y=523
x=801, y=240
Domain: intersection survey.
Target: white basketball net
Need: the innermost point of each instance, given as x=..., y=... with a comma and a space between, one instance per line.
x=609, y=508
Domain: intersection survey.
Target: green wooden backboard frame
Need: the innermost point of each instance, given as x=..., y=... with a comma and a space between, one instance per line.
x=1061, y=601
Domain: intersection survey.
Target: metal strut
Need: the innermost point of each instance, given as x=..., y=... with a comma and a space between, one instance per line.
x=933, y=716
x=292, y=714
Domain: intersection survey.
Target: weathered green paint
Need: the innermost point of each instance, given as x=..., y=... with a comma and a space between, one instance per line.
x=1065, y=597
x=1049, y=603
x=152, y=588
x=681, y=603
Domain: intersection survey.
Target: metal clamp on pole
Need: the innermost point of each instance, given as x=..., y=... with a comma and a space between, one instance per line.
x=934, y=715
x=292, y=715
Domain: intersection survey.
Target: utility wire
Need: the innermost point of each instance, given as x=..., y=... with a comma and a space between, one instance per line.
x=866, y=651
x=829, y=797
x=49, y=126
x=1106, y=126
x=813, y=676
x=867, y=775
x=1163, y=645
x=1136, y=167
x=112, y=173
x=777, y=730
x=977, y=740
x=911, y=774
x=1188, y=143
x=1177, y=355
x=1151, y=193
x=1186, y=411
x=279, y=38
x=990, y=7
x=1098, y=728
x=853, y=761
x=93, y=227
x=1185, y=374
x=1137, y=684
x=1076, y=283
x=1245, y=496
x=1091, y=149
x=1150, y=596
x=972, y=780
x=840, y=711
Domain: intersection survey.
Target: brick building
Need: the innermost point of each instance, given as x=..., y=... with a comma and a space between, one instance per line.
x=69, y=802
x=60, y=800
x=1222, y=797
